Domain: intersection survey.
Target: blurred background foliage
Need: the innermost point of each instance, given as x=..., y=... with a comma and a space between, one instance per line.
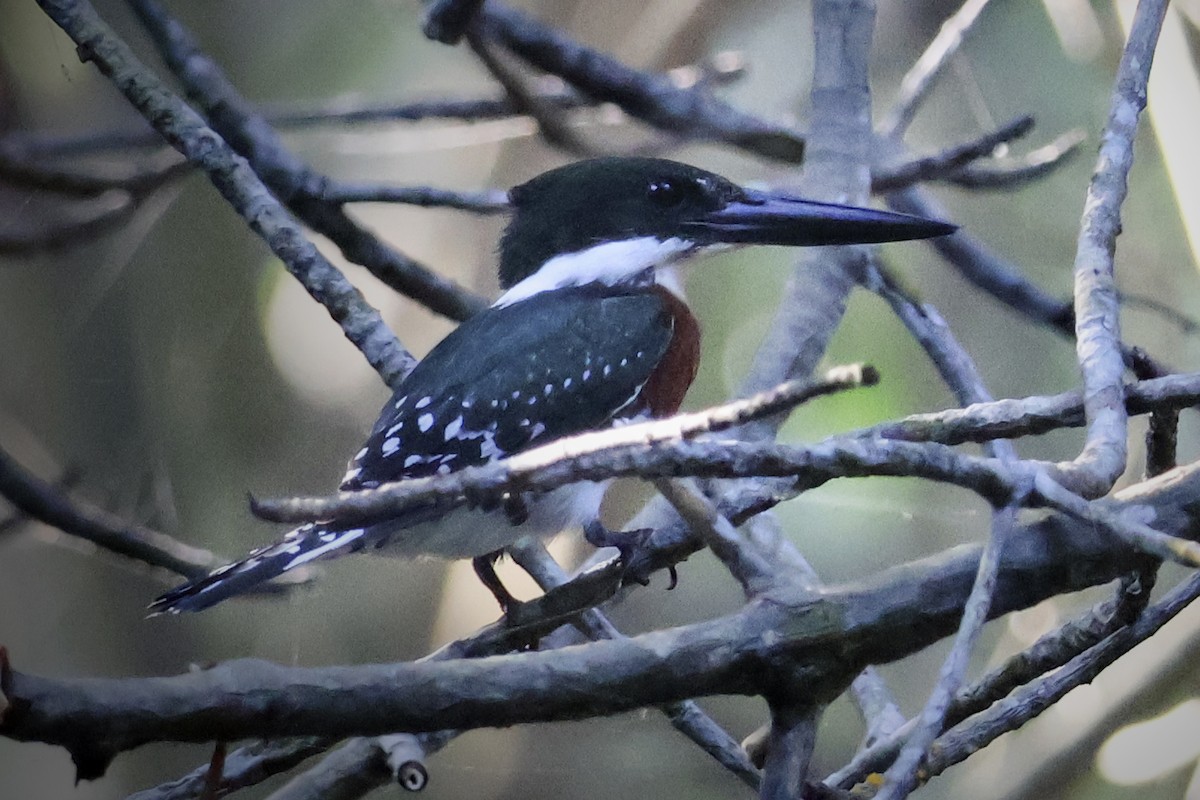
x=174, y=366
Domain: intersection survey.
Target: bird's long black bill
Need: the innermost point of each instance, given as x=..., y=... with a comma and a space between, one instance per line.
x=777, y=219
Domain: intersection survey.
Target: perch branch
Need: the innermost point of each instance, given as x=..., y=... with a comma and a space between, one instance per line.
x=826, y=639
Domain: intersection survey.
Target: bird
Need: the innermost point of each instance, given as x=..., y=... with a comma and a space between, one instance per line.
x=591, y=330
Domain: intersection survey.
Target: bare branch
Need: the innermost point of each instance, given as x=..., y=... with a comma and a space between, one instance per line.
x=489, y=201
x=946, y=164
x=1006, y=419
x=184, y=129
x=902, y=776
x=826, y=639
x=1011, y=173
x=43, y=501
x=288, y=178
x=245, y=766
x=837, y=170
x=685, y=716
x=878, y=705
x=1132, y=531
x=654, y=99
x=789, y=747
x=1030, y=701
x=1047, y=654
x=625, y=451
x=920, y=79
x=959, y=372
x=1097, y=319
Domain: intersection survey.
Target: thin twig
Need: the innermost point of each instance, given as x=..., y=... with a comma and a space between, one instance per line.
x=549, y=89
x=43, y=501
x=947, y=163
x=1187, y=324
x=902, y=776
x=654, y=99
x=551, y=124
x=1028, y=702
x=1007, y=419
x=1053, y=650
x=984, y=268
x=921, y=77
x=55, y=235
x=489, y=201
x=1136, y=534
x=1011, y=173
x=87, y=181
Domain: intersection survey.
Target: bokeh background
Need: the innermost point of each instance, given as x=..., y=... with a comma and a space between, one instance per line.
x=172, y=366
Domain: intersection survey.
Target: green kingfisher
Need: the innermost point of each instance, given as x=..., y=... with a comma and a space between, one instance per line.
x=591, y=330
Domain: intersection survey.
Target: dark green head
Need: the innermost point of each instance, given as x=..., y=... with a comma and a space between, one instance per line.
x=572, y=209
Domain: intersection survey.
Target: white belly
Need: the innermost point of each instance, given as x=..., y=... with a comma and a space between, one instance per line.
x=466, y=533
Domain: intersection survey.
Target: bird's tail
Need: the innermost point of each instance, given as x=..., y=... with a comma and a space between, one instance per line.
x=304, y=544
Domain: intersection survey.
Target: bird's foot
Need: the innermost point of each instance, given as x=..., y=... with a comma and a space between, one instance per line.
x=626, y=542
x=485, y=568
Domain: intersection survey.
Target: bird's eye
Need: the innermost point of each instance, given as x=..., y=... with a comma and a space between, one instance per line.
x=665, y=193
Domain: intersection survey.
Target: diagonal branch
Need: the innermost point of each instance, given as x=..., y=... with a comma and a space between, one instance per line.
x=42, y=501
x=654, y=99
x=1010, y=173
x=288, y=178
x=920, y=79
x=946, y=164
x=188, y=133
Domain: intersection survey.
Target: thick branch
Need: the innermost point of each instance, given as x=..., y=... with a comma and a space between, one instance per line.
x=824, y=640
